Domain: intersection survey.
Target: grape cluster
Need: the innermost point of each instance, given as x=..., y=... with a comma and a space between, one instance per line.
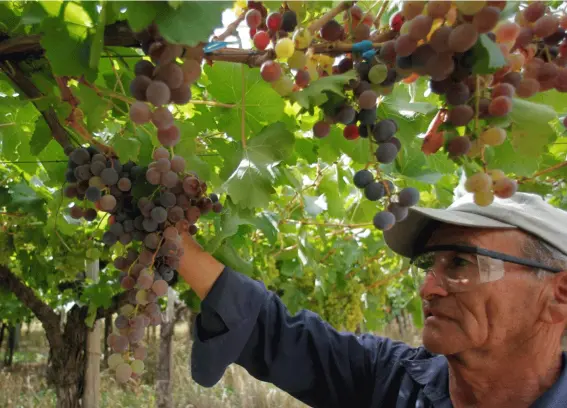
x=161, y=82
x=485, y=186
x=374, y=190
x=149, y=229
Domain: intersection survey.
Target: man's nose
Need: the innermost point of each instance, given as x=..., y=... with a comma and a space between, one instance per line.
x=432, y=286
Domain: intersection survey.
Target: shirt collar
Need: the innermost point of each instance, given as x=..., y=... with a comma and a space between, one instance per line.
x=433, y=374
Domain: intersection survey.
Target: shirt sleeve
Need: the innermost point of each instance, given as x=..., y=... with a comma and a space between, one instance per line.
x=300, y=354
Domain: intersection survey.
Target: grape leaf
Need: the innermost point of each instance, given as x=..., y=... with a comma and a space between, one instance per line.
x=41, y=137
x=250, y=185
x=94, y=108
x=313, y=95
x=531, y=129
x=487, y=56
x=141, y=13
x=191, y=22
x=261, y=103
x=60, y=41
x=127, y=148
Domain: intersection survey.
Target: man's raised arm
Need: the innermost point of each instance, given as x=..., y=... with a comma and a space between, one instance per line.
x=242, y=322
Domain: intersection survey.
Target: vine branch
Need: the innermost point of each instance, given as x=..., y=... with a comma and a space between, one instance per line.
x=27, y=87
x=544, y=171
x=26, y=295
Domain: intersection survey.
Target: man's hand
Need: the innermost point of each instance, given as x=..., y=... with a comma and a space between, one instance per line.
x=198, y=268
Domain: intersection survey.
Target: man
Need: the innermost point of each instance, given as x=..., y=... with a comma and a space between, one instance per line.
x=495, y=303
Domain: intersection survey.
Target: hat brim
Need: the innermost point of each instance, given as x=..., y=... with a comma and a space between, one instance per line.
x=402, y=236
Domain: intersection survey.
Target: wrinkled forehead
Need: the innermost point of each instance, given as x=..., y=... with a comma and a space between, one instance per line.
x=507, y=241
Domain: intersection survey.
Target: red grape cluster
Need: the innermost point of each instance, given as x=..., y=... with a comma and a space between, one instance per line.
x=148, y=228
x=162, y=84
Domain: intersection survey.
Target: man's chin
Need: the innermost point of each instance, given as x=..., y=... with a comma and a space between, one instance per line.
x=437, y=342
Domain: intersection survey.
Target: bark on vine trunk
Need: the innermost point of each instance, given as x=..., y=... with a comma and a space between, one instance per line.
x=107, y=331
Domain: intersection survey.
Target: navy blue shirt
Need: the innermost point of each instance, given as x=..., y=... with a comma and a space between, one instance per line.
x=242, y=322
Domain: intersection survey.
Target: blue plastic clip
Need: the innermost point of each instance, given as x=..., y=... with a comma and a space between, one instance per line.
x=368, y=55
x=362, y=46
x=216, y=45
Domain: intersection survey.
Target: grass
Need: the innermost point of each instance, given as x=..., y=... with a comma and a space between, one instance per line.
x=24, y=385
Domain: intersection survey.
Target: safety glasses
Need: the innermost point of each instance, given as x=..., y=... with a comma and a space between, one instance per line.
x=461, y=268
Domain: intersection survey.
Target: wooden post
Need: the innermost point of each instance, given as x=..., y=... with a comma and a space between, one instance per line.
x=91, y=396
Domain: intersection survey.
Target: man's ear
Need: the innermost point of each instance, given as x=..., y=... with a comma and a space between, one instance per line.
x=555, y=311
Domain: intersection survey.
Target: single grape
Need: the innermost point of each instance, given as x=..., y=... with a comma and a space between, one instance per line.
x=469, y=8
x=546, y=26
x=274, y=21
x=284, y=48
x=439, y=40
x=405, y=45
x=121, y=322
x=141, y=352
x=384, y=220
x=438, y=8
x=159, y=214
x=123, y=373
x=386, y=153
x=493, y=136
x=478, y=182
x=169, y=137
x=374, y=191
x=483, y=198
x=459, y=146
x=321, y=129
x=124, y=184
x=114, y=360
x=361, y=32
x=175, y=214
x=331, y=31
x=137, y=366
x=191, y=71
x=457, y=93
x=158, y=93
x=83, y=172
x=177, y=164
x=500, y=106
x=289, y=21
x=160, y=288
x=400, y=212
x=486, y=19
x=152, y=240
x=253, y=18
x=302, y=78
x=93, y=194
x=534, y=11
x=350, y=132
x=261, y=40
x=153, y=177
x=527, y=88
x=408, y=197
x=107, y=203
x=346, y=115
x=181, y=95
x=169, y=179
x=503, y=89
x=127, y=282
x=144, y=67
x=367, y=117
x=109, y=176
x=90, y=214
x=139, y=87
x=117, y=229
x=378, y=73
x=171, y=74
x=460, y=115
x=412, y=9
x=140, y=113
x=505, y=187
x=162, y=118
x=420, y=27
x=149, y=225
x=284, y=86
x=270, y=71
x=462, y=37
x=193, y=214
x=384, y=130
x=120, y=344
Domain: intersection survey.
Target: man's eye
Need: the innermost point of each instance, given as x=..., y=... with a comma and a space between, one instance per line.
x=459, y=262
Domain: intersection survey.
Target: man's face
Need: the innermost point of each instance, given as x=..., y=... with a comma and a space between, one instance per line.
x=491, y=316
